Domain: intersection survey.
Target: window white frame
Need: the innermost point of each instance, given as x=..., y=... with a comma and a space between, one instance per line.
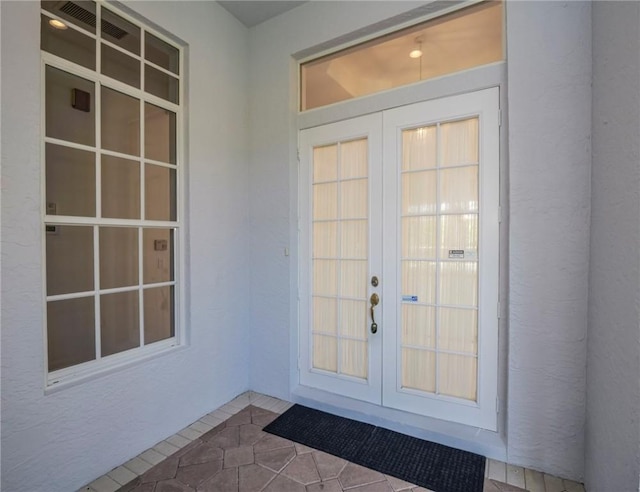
x=73, y=374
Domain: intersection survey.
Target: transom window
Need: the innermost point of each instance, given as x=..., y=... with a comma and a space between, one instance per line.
x=112, y=175
x=463, y=39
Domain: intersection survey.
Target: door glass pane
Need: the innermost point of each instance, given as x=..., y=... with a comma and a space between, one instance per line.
x=419, y=237
x=459, y=283
x=419, y=193
x=120, y=188
x=419, y=148
x=353, y=199
x=460, y=142
x=419, y=281
x=458, y=376
x=458, y=330
x=325, y=315
x=158, y=314
x=325, y=277
x=161, y=53
x=120, y=122
x=158, y=255
x=119, y=322
x=325, y=353
x=325, y=240
x=159, y=134
x=160, y=193
x=119, y=66
x=118, y=257
x=81, y=13
x=459, y=189
x=354, y=162
x=353, y=361
x=418, y=325
x=325, y=201
x=63, y=120
x=419, y=369
x=354, y=240
x=459, y=232
x=353, y=278
x=70, y=181
x=353, y=319
x=67, y=43
x=69, y=259
x=161, y=84
x=70, y=332
x=325, y=163
x=120, y=32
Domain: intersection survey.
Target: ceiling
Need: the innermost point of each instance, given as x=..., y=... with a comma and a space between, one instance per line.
x=251, y=13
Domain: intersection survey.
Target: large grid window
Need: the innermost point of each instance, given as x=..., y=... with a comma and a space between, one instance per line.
x=112, y=174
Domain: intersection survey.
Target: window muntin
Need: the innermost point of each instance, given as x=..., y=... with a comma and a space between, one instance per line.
x=464, y=39
x=112, y=171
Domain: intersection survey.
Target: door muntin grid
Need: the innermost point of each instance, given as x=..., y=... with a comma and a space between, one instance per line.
x=340, y=258
x=439, y=215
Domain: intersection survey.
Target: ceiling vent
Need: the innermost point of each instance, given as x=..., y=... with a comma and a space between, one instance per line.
x=89, y=18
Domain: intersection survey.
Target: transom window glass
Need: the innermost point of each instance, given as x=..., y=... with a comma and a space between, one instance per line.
x=464, y=39
x=112, y=171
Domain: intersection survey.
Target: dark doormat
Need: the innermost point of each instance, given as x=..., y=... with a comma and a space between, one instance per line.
x=414, y=460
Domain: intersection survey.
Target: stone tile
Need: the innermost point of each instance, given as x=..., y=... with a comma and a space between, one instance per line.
x=211, y=420
x=264, y=419
x=355, y=475
x=397, y=484
x=572, y=486
x=144, y=487
x=230, y=409
x=302, y=449
x=328, y=486
x=421, y=489
x=227, y=438
x=166, y=448
x=490, y=486
x=253, y=478
x=201, y=426
x=163, y=471
x=194, y=475
x=240, y=418
x=553, y=484
x=122, y=475
x=505, y=487
x=255, y=411
x=190, y=433
x=151, y=456
x=329, y=466
x=134, y=484
x=250, y=434
x=373, y=487
x=188, y=448
x=223, y=481
x=270, y=441
x=213, y=432
x=201, y=454
x=284, y=484
x=275, y=459
x=172, y=486
x=104, y=484
x=302, y=469
x=137, y=466
x=234, y=457
x=178, y=440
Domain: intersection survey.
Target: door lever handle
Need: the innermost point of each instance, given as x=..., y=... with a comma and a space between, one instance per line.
x=374, y=300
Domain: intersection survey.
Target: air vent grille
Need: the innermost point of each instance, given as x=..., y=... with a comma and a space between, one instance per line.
x=83, y=15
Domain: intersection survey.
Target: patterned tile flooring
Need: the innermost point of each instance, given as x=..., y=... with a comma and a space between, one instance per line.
x=227, y=451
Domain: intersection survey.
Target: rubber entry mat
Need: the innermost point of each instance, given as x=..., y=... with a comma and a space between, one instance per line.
x=431, y=465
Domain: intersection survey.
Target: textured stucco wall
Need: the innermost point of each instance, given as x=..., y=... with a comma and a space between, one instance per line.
x=60, y=441
x=549, y=77
x=613, y=369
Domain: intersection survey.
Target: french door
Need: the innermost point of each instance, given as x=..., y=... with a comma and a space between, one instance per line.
x=399, y=258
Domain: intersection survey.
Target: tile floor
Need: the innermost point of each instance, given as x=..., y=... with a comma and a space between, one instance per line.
x=227, y=451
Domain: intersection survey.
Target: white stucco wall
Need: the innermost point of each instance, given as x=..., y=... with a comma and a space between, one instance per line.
x=60, y=441
x=549, y=62
x=613, y=370
x=549, y=67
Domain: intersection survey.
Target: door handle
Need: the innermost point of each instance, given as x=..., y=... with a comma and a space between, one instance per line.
x=374, y=300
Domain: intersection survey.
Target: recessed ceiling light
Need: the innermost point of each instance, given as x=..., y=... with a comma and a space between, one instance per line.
x=415, y=54
x=55, y=23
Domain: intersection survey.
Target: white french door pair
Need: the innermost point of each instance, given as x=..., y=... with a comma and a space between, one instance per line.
x=399, y=251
